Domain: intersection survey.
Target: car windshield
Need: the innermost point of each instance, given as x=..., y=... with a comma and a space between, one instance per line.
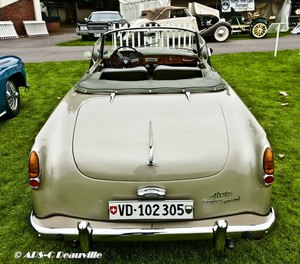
x=105, y=17
x=150, y=59
x=154, y=37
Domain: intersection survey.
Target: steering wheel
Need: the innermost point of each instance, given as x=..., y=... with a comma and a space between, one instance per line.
x=127, y=57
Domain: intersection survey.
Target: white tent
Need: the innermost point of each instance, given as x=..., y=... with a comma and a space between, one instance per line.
x=279, y=8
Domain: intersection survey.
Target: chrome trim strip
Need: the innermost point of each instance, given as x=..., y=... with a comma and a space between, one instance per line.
x=151, y=192
x=196, y=232
x=188, y=95
x=3, y=113
x=151, y=161
x=112, y=97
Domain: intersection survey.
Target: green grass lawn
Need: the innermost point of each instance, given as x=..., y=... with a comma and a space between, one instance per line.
x=257, y=78
x=77, y=42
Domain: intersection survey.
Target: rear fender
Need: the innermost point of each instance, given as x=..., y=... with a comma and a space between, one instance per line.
x=209, y=32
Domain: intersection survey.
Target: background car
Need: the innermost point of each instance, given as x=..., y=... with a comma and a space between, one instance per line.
x=255, y=25
x=12, y=76
x=166, y=16
x=197, y=17
x=99, y=22
x=151, y=144
x=211, y=26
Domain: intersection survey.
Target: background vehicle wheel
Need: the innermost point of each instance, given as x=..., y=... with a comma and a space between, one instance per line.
x=258, y=29
x=12, y=99
x=221, y=33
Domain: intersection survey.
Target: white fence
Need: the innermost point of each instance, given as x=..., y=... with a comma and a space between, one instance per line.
x=7, y=30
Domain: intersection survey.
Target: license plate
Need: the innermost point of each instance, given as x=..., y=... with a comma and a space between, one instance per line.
x=97, y=35
x=138, y=210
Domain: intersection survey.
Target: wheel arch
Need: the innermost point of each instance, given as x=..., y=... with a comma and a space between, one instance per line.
x=19, y=79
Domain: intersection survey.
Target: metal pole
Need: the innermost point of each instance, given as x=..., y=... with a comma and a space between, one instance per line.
x=277, y=39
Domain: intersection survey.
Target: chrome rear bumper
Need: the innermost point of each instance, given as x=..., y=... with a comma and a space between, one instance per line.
x=218, y=229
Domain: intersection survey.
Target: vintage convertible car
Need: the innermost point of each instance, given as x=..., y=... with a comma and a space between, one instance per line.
x=196, y=17
x=151, y=144
x=255, y=25
x=210, y=24
x=174, y=16
x=12, y=76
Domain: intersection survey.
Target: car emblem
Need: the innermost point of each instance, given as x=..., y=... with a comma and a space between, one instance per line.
x=113, y=209
x=188, y=209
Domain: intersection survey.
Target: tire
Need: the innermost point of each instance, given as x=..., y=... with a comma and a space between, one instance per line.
x=84, y=38
x=221, y=33
x=12, y=99
x=258, y=29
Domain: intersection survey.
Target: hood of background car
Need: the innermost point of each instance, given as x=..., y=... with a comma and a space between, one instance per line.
x=188, y=138
x=140, y=21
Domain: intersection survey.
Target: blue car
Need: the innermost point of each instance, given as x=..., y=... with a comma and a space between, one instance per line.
x=12, y=76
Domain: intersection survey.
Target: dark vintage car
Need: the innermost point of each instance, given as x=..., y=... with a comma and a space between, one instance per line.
x=211, y=26
x=254, y=24
x=197, y=17
x=151, y=144
x=99, y=22
x=12, y=76
x=219, y=29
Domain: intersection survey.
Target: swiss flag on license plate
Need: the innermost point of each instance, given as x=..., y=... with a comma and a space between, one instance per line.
x=113, y=209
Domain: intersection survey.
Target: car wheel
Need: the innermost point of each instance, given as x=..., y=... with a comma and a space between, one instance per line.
x=221, y=33
x=84, y=38
x=258, y=29
x=12, y=99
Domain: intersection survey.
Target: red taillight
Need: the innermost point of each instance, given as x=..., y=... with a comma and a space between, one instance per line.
x=34, y=170
x=268, y=166
x=34, y=183
x=268, y=179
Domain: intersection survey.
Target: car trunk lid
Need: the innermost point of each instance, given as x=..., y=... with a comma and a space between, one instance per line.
x=117, y=140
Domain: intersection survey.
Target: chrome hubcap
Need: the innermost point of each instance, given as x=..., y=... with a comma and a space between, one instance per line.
x=221, y=34
x=12, y=95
